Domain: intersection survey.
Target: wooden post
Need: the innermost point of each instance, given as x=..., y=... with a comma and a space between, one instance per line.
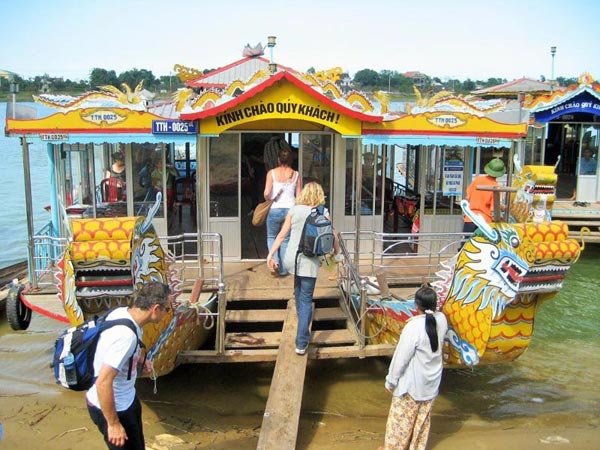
x=497, y=211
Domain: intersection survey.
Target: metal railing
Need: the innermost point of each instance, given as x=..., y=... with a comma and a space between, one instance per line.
x=47, y=251
x=183, y=248
x=404, y=259
x=194, y=259
x=202, y=258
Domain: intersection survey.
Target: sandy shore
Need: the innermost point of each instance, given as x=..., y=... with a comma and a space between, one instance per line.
x=57, y=419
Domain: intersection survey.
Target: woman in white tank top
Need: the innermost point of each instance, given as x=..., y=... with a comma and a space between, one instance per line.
x=282, y=185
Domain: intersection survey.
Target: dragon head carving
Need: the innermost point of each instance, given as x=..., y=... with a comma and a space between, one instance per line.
x=499, y=275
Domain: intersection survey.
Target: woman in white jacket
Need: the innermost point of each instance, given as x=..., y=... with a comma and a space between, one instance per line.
x=414, y=375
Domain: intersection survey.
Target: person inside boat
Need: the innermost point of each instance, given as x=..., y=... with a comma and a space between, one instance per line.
x=156, y=176
x=587, y=162
x=117, y=168
x=482, y=202
x=142, y=166
x=282, y=185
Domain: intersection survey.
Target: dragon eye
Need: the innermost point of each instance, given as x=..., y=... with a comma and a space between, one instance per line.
x=514, y=241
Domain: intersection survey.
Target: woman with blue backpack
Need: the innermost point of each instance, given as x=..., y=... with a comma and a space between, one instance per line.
x=311, y=237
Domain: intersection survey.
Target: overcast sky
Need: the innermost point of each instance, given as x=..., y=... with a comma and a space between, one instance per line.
x=475, y=39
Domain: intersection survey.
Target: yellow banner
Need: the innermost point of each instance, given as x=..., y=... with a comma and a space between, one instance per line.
x=281, y=101
x=86, y=120
x=447, y=124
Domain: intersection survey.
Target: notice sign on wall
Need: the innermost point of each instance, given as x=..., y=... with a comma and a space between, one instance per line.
x=452, y=175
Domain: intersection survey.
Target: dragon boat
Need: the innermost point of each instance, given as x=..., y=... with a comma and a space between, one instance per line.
x=490, y=290
x=105, y=260
x=385, y=169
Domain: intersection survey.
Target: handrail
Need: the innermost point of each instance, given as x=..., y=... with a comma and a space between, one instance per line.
x=205, y=262
x=47, y=251
x=406, y=259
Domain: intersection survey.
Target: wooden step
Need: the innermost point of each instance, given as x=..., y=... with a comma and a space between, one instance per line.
x=255, y=315
x=278, y=315
x=270, y=354
x=331, y=337
x=583, y=223
x=271, y=339
x=333, y=313
x=592, y=237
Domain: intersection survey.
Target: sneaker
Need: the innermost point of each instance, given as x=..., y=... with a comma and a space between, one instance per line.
x=300, y=351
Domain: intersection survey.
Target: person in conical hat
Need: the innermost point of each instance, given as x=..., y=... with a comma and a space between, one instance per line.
x=482, y=202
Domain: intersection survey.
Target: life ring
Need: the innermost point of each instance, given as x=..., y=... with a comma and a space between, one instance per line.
x=17, y=312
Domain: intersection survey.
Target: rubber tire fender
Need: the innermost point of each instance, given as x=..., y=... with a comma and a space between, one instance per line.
x=17, y=312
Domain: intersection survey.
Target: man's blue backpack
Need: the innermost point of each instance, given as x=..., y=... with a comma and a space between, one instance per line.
x=317, y=234
x=75, y=348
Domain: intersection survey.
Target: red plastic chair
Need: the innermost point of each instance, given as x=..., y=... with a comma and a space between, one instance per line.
x=112, y=190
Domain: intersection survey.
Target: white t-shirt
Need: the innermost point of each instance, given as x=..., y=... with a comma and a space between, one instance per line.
x=415, y=368
x=115, y=348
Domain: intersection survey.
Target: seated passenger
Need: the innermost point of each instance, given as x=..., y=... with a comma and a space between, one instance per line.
x=117, y=168
x=587, y=162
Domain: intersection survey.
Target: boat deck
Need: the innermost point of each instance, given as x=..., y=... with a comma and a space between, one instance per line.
x=255, y=311
x=579, y=216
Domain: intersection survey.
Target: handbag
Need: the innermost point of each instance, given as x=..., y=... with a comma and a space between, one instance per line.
x=259, y=217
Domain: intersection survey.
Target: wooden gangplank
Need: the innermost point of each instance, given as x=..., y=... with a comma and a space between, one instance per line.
x=282, y=413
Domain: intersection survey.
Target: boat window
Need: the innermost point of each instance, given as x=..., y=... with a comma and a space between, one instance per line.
x=223, y=170
x=372, y=179
x=350, y=205
x=588, y=158
x=149, y=177
x=316, y=161
x=76, y=185
x=184, y=159
x=444, y=179
x=534, y=145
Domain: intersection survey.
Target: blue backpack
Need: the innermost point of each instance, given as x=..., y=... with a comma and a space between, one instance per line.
x=75, y=348
x=317, y=234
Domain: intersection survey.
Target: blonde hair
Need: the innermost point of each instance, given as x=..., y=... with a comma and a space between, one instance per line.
x=312, y=195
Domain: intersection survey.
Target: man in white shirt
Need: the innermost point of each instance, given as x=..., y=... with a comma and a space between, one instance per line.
x=112, y=401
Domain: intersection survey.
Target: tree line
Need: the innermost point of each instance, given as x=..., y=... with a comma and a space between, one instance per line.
x=366, y=80
x=393, y=81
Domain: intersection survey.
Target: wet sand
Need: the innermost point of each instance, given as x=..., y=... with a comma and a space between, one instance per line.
x=537, y=402
x=42, y=416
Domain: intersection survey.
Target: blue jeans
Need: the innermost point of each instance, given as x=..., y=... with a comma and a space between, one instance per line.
x=275, y=221
x=304, y=288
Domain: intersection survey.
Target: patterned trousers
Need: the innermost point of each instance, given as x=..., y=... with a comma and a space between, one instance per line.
x=408, y=424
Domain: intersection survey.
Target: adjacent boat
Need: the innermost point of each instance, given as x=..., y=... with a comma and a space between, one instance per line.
x=491, y=288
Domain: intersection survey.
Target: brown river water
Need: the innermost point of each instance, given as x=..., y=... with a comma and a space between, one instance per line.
x=549, y=398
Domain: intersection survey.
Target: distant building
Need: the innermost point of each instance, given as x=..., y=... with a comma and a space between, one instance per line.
x=419, y=79
x=512, y=89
